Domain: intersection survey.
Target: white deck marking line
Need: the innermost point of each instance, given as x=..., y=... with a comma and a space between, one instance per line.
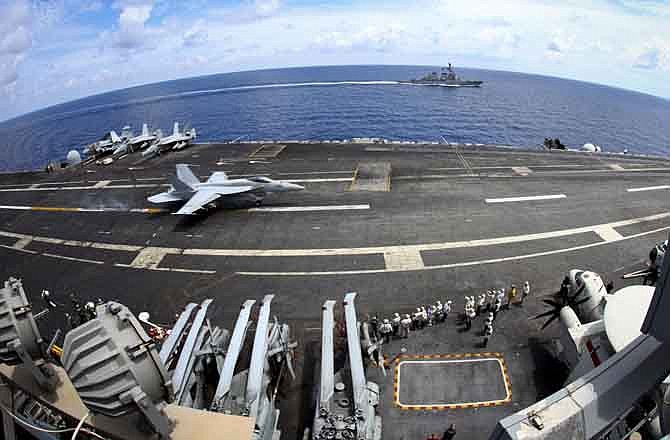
x=67, y=209
x=525, y=198
x=152, y=185
x=606, y=170
x=315, y=172
x=522, y=171
x=167, y=269
x=403, y=259
x=309, y=208
x=15, y=208
x=349, y=251
x=79, y=260
x=22, y=243
x=150, y=258
x=464, y=162
x=537, y=173
x=102, y=184
x=418, y=247
x=615, y=166
x=457, y=265
x=607, y=233
x=27, y=251
x=507, y=167
x=648, y=188
x=455, y=361
x=334, y=179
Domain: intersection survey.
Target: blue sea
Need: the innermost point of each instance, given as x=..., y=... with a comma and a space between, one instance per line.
x=351, y=101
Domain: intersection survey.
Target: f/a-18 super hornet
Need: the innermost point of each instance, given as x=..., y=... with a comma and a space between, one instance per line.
x=199, y=195
x=143, y=140
x=108, y=144
x=176, y=141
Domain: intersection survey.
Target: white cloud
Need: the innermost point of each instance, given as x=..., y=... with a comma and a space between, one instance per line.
x=266, y=8
x=15, y=41
x=653, y=57
x=132, y=33
x=349, y=37
x=46, y=55
x=196, y=35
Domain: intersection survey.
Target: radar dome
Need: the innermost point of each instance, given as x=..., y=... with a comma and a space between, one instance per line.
x=591, y=148
x=73, y=157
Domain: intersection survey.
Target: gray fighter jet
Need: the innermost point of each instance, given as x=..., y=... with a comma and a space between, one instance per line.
x=199, y=195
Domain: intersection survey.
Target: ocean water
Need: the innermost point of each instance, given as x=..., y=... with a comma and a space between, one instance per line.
x=351, y=101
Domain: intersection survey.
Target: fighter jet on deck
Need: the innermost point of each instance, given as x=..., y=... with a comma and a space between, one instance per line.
x=176, y=141
x=143, y=140
x=198, y=195
x=108, y=144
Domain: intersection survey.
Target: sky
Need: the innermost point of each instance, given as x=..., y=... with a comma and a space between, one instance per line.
x=53, y=51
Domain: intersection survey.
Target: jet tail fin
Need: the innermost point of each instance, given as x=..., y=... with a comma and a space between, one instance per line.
x=114, y=137
x=184, y=180
x=175, y=128
x=145, y=130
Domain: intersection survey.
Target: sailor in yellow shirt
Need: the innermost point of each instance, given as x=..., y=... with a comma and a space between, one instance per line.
x=511, y=295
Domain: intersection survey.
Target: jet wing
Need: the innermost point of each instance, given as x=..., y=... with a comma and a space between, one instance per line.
x=165, y=197
x=205, y=196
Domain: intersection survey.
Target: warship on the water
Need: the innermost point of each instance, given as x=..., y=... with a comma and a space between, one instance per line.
x=447, y=78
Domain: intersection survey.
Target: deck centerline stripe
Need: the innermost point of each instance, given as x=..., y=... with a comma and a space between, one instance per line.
x=75, y=209
x=525, y=198
x=309, y=208
x=648, y=188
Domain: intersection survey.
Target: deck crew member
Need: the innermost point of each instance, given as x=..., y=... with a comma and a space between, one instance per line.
x=488, y=329
x=395, y=323
x=374, y=328
x=416, y=319
x=490, y=299
x=497, y=306
x=481, y=303
x=469, y=316
x=511, y=295
x=439, y=311
x=525, y=292
x=447, y=309
x=385, y=329
x=405, y=325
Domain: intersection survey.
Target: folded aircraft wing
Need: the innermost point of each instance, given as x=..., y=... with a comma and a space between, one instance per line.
x=205, y=196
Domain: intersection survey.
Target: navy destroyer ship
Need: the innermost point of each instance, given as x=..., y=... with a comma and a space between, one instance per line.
x=447, y=78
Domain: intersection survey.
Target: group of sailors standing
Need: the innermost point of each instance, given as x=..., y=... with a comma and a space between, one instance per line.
x=491, y=302
x=401, y=325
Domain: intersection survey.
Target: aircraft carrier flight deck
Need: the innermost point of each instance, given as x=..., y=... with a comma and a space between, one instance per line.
x=401, y=225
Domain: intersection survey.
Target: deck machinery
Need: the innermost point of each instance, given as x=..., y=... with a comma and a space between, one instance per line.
x=202, y=361
x=346, y=407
